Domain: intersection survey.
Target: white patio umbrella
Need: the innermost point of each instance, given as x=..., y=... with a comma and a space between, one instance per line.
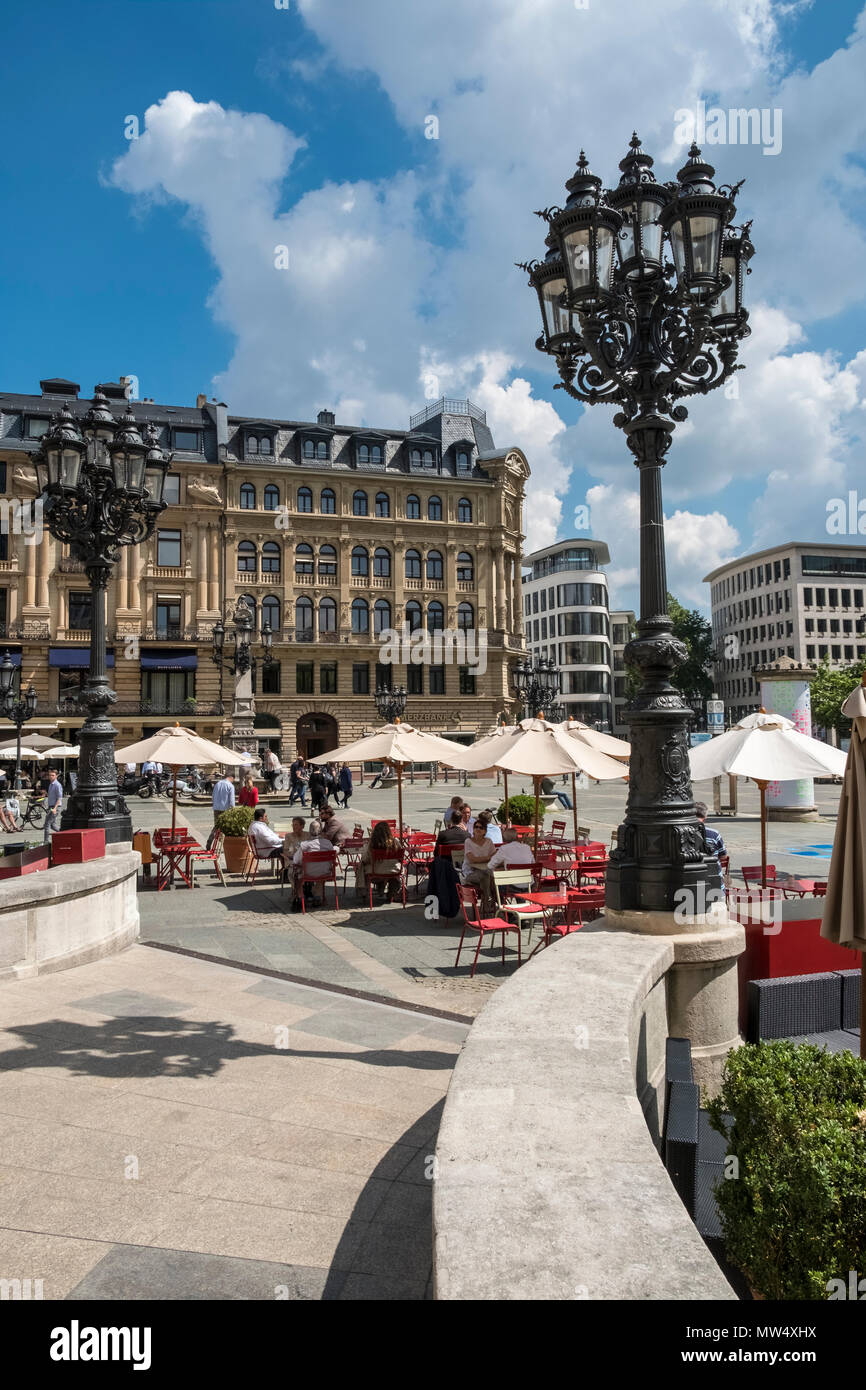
x=398, y=744
x=26, y=752
x=844, y=918
x=176, y=746
x=62, y=750
x=605, y=743
x=766, y=748
x=536, y=749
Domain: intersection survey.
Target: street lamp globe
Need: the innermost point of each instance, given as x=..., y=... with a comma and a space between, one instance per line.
x=128, y=453
x=58, y=470
x=639, y=200
x=7, y=676
x=30, y=700
x=694, y=219
x=585, y=231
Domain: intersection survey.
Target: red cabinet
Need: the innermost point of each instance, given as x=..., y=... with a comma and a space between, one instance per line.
x=74, y=846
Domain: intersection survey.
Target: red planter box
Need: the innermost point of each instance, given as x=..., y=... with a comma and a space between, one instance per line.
x=798, y=948
x=74, y=846
x=30, y=862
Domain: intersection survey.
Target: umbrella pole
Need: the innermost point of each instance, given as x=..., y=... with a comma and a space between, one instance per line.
x=574, y=803
x=507, y=808
x=763, y=790
x=174, y=800
x=399, y=767
x=537, y=782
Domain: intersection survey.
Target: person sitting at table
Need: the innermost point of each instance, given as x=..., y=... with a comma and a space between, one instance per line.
x=333, y=828
x=389, y=857
x=477, y=853
x=453, y=833
x=512, y=853
x=248, y=794
x=268, y=844
x=316, y=842
x=294, y=838
x=456, y=805
x=494, y=830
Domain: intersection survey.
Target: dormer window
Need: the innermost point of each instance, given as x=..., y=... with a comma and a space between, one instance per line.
x=316, y=449
x=37, y=426
x=369, y=452
x=259, y=445
x=423, y=454
x=187, y=441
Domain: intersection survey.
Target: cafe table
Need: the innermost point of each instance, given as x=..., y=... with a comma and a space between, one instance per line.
x=550, y=903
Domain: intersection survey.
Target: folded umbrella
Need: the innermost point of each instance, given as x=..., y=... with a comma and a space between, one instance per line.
x=844, y=919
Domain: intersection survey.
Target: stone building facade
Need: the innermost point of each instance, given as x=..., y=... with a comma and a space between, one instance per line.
x=331, y=533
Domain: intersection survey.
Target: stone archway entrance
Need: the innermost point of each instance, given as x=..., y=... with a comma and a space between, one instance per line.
x=315, y=734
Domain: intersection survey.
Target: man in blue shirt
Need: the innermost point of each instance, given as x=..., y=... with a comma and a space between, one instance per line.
x=715, y=843
x=53, y=802
x=223, y=795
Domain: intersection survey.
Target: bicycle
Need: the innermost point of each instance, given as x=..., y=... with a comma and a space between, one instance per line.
x=34, y=811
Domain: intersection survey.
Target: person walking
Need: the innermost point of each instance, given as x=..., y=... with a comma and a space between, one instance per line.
x=345, y=785
x=318, y=793
x=271, y=766
x=53, y=803
x=223, y=797
x=249, y=792
x=299, y=777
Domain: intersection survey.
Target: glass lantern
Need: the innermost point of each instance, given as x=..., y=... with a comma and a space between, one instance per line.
x=585, y=230
x=694, y=219
x=639, y=200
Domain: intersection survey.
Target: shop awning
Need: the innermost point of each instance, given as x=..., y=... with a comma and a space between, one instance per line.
x=74, y=658
x=169, y=661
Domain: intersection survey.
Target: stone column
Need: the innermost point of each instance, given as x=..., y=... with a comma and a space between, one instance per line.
x=134, y=578
x=785, y=690
x=501, y=595
x=214, y=570
x=122, y=579
x=29, y=576
x=518, y=599
x=44, y=568
x=202, y=568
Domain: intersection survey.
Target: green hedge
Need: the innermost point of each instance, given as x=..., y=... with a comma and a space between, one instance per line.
x=794, y=1213
x=235, y=822
x=520, y=811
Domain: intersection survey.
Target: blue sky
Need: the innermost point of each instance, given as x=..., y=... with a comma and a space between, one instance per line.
x=306, y=127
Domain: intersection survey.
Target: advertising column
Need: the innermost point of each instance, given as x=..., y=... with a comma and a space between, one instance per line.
x=785, y=690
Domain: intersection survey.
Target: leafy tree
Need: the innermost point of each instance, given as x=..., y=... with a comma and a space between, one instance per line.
x=694, y=678
x=829, y=690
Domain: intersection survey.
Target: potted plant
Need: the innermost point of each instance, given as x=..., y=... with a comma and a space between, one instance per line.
x=235, y=824
x=519, y=811
x=793, y=1207
x=189, y=704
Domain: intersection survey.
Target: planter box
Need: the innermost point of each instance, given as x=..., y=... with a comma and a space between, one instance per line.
x=32, y=861
x=75, y=846
x=236, y=851
x=798, y=948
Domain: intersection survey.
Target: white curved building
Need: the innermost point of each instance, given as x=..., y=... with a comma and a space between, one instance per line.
x=566, y=613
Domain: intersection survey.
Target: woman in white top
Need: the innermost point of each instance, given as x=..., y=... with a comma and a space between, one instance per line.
x=477, y=852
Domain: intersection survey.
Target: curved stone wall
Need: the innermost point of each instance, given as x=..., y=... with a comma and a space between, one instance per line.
x=68, y=915
x=548, y=1181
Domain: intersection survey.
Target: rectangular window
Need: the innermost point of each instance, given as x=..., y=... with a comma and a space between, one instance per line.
x=360, y=678
x=188, y=440
x=171, y=491
x=786, y=569
x=846, y=598
x=384, y=675
x=80, y=609
x=328, y=678
x=415, y=680
x=820, y=598
x=467, y=680
x=810, y=653
x=168, y=619
x=36, y=428
x=535, y=603
x=777, y=569
x=166, y=691
x=544, y=629
x=4, y=610
x=858, y=598
x=272, y=679
x=2, y=477
x=168, y=548
x=807, y=598
x=833, y=597
x=437, y=680
x=849, y=653
x=544, y=600
x=304, y=678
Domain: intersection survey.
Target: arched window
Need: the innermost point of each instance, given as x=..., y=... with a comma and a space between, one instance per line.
x=413, y=507
x=272, y=497
x=382, y=563
x=304, y=616
x=327, y=562
x=270, y=558
x=435, y=616
x=321, y=450
x=435, y=569
x=434, y=509
x=428, y=458
x=305, y=499
x=413, y=564
x=360, y=615
x=360, y=562
x=271, y=612
x=415, y=457
x=465, y=567
x=376, y=453
x=359, y=504
x=383, y=504
x=327, y=615
x=462, y=461
x=465, y=616
x=252, y=444
x=247, y=561
x=248, y=497
x=264, y=445
x=464, y=509
x=414, y=616
x=363, y=453
x=381, y=616
x=309, y=449
x=328, y=501
x=304, y=560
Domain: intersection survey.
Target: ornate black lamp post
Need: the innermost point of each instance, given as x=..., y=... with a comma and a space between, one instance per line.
x=391, y=704
x=16, y=711
x=642, y=333
x=537, y=686
x=102, y=489
x=241, y=656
